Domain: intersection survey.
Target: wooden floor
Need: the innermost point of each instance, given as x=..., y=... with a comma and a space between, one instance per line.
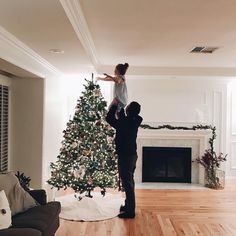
x=168, y=212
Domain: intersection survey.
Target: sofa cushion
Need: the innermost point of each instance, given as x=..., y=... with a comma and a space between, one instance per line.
x=20, y=232
x=5, y=212
x=19, y=199
x=42, y=217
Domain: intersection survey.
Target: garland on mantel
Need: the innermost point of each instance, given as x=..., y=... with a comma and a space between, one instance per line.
x=195, y=127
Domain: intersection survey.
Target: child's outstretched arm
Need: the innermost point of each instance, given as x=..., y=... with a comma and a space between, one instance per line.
x=110, y=78
x=107, y=78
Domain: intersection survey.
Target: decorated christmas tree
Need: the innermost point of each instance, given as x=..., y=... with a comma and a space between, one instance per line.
x=87, y=158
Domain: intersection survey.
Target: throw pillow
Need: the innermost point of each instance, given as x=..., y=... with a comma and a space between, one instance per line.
x=19, y=199
x=5, y=212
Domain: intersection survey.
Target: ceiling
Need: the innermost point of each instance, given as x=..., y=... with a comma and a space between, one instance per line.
x=154, y=36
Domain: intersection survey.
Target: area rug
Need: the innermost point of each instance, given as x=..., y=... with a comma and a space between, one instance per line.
x=90, y=209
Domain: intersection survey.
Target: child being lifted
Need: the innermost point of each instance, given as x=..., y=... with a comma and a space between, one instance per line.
x=120, y=93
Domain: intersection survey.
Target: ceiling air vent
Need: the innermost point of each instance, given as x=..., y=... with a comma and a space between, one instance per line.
x=203, y=49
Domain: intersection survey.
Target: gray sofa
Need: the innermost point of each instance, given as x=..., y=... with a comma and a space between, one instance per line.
x=41, y=220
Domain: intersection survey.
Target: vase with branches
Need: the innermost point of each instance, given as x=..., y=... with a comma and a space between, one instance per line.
x=211, y=162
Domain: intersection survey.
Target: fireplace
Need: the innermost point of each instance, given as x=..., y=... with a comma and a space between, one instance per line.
x=166, y=164
x=196, y=140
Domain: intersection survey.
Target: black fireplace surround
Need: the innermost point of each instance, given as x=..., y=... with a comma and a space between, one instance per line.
x=167, y=164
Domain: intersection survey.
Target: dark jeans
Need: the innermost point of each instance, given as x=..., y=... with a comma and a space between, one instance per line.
x=127, y=165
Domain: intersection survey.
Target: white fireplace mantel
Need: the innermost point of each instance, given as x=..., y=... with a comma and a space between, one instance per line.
x=176, y=133
x=198, y=140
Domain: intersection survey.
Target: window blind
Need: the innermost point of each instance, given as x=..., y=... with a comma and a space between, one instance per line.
x=4, y=94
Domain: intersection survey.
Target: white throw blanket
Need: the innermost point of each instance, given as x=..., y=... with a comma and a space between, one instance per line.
x=90, y=209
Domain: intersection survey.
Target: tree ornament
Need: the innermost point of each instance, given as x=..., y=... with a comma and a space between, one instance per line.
x=90, y=181
x=74, y=145
x=98, y=123
x=103, y=192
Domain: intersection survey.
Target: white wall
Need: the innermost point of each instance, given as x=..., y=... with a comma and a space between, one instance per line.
x=231, y=129
x=4, y=80
x=26, y=128
x=184, y=102
x=53, y=124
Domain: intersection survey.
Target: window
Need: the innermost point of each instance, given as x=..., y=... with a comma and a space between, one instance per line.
x=4, y=92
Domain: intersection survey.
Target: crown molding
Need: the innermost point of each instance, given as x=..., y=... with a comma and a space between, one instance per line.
x=75, y=14
x=19, y=54
x=176, y=72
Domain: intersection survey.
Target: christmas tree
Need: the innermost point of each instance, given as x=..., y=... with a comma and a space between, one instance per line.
x=87, y=157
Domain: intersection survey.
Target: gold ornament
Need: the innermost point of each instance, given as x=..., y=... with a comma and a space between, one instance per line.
x=90, y=181
x=74, y=145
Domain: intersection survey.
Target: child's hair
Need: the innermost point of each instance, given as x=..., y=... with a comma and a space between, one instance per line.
x=122, y=68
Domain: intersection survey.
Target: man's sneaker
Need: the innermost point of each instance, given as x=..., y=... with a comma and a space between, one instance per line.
x=122, y=208
x=126, y=215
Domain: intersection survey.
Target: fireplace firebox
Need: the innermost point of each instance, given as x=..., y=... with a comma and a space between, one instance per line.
x=166, y=164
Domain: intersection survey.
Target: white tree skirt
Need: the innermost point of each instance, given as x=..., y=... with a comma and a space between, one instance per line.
x=90, y=209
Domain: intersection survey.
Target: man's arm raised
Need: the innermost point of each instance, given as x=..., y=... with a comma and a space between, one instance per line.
x=111, y=116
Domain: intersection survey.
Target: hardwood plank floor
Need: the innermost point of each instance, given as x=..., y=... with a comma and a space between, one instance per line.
x=163, y=212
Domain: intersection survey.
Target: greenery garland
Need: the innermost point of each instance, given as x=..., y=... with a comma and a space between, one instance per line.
x=195, y=127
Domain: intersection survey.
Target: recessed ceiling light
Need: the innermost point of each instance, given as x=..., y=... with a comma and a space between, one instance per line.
x=203, y=49
x=56, y=51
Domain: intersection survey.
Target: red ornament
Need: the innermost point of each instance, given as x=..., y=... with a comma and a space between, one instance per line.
x=98, y=123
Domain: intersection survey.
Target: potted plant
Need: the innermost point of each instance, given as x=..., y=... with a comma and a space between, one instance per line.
x=211, y=162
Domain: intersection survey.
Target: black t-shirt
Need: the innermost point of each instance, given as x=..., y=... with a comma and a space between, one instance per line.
x=126, y=131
